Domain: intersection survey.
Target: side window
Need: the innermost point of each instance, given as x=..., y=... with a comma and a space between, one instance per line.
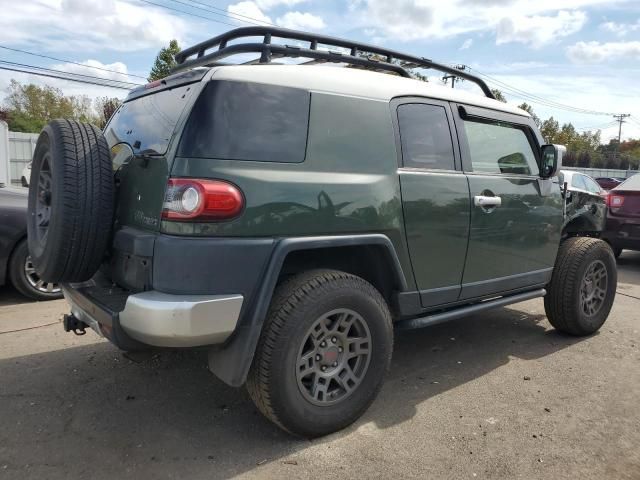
x=248, y=121
x=577, y=181
x=500, y=148
x=425, y=136
x=592, y=186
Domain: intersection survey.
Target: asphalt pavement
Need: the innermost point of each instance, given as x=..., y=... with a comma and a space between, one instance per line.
x=498, y=395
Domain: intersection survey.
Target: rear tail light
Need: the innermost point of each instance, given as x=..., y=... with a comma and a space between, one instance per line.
x=615, y=201
x=188, y=199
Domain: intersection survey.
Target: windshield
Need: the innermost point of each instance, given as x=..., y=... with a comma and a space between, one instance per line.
x=147, y=123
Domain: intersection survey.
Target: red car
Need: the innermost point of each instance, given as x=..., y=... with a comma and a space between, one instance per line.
x=623, y=216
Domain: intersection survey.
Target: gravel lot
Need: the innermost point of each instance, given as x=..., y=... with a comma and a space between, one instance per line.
x=497, y=395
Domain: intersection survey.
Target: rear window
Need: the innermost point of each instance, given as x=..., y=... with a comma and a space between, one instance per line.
x=248, y=121
x=631, y=183
x=147, y=123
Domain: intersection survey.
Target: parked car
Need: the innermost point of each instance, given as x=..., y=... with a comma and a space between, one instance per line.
x=586, y=205
x=26, y=175
x=289, y=216
x=609, y=182
x=623, y=219
x=16, y=265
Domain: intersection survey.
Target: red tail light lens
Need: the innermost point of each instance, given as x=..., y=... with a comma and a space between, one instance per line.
x=615, y=201
x=188, y=199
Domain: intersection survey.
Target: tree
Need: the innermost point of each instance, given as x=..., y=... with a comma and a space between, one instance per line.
x=529, y=109
x=30, y=107
x=106, y=107
x=165, y=61
x=498, y=95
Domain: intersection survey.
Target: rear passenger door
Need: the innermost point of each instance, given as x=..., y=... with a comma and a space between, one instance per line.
x=516, y=218
x=435, y=198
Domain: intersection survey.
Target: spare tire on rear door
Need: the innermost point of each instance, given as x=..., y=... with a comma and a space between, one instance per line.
x=70, y=201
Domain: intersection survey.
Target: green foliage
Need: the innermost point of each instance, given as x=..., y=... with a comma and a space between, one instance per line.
x=529, y=109
x=30, y=107
x=165, y=61
x=498, y=95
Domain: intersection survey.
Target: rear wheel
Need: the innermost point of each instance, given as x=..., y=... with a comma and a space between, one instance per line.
x=323, y=353
x=26, y=280
x=583, y=286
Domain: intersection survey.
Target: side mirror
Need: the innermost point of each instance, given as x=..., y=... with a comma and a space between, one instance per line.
x=551, y=160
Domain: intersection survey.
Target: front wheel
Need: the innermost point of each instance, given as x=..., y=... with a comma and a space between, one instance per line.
x=583, y=286
x=323, y=353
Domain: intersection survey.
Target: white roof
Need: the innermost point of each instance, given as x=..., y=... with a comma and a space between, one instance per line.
x=354, y=82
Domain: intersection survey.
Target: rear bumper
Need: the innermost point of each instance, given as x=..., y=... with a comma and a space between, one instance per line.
x=623, y=232
x=155, y=318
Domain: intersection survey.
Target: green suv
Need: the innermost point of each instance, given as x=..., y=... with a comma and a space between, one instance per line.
x=289, y=217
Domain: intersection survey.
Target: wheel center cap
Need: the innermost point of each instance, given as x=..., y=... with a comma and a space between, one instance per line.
x=330, y=355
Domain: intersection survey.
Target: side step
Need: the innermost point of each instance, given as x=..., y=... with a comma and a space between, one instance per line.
x=468, y=310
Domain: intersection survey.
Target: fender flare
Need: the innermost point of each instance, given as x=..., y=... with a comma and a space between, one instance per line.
x=231, y=362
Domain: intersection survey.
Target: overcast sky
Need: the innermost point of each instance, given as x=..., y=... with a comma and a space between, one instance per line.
x=580, y=53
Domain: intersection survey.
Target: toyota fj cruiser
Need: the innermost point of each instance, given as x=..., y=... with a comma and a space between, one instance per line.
x=290, y=216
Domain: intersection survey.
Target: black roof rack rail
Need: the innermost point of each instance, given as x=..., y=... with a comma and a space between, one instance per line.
x=219, y=49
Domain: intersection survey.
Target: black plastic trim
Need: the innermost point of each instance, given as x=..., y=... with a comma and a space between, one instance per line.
x=502, y=284
x=232, y=361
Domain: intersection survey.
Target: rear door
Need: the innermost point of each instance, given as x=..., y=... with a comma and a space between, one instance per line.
x=435, y=198
x=516, y=218
x=147, y=124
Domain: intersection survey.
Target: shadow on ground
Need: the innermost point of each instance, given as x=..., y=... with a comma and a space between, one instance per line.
x=91, y=412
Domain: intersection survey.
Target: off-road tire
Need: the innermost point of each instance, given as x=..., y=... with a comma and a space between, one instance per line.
x=563, y=300
x=296, y=305
x=76, y=163
x=18, y=276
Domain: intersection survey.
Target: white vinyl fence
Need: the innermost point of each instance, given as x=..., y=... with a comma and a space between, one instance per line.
x=16, y=150
x=21, y=147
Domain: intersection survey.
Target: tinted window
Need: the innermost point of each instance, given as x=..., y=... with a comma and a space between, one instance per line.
x=248, y=121
x=500, y=148
x=147, y=123
x=425, y=136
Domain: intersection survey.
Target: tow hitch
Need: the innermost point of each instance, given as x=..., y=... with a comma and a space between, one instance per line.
x=72, y=324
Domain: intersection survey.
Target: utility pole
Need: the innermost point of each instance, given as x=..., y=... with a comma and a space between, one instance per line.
x=453, y=77
x=620, y=119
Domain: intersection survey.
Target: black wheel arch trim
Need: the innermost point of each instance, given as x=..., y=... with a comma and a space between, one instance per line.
x=231, y=361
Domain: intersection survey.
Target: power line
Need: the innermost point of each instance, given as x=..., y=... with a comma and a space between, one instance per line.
x=250, y=20
x=61, y=77
x=187, y=13
x=69, y=61
x=24, y=65
x=228, y=14
x=536, y=99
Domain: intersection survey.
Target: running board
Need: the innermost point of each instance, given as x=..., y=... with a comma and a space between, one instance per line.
x=464, y=311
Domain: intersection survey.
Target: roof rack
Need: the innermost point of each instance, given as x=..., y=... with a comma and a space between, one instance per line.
x=359, y=53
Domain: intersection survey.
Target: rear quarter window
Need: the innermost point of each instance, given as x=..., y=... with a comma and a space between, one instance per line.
x=248, y=121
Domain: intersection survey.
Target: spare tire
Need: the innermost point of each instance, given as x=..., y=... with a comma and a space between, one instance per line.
x=70, y=201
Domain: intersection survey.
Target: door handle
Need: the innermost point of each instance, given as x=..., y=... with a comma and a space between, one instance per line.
x=486, y=202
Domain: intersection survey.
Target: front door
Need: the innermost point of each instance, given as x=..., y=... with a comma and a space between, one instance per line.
x=516, y=217
x=435, y=199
